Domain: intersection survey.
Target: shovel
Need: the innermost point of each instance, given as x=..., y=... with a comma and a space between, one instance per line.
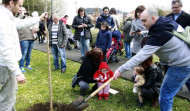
x=80, y=103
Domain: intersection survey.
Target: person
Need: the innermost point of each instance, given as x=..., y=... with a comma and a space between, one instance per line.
x=10, y=52
x=87, y=69
x=113, y=14
x=139, y=81
x=102, y=75
x=154, y=78
x=127, y=37
x=26, y=39
x=178, y=14
x=35, y=27
x=167, y=47
x=82, y=25
x=104, y=39
x=136, y=29
x=105, y=17
x=64, y=19
x=58, y=36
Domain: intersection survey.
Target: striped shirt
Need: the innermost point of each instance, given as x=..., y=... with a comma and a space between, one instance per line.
x=54, y=32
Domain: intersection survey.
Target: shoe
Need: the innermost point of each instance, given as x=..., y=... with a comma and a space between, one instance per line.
x=106, y=98
x=22, y=70
x=29, y=67
x=55, y=69
x=99, y=98
x=63, y=71
x=140, y=104
x=82, y=91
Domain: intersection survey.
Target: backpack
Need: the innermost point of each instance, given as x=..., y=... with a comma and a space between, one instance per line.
x=184, y=36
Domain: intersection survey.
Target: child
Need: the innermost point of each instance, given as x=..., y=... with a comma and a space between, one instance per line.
x=102, y=75
x=104, y=39
x=139, y=81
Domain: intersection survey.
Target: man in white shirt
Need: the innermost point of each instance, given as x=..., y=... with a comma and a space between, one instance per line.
x=10, y=52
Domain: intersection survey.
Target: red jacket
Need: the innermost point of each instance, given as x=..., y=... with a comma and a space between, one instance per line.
x=103, y=77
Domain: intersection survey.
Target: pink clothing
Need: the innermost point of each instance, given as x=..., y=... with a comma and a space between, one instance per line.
x=105, y=91
x=64, y=20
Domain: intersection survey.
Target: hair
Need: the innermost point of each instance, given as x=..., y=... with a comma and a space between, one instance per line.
x=177, y=1
x=105, y=8
x=66, y=16
x=104, y=23
x=6, y=2
x=139, y=70
x=96, y=54
x=55, y=15
x=147, y=62
x=81, y=9
x=152, y=12
x=112, y=11
x=139, y=9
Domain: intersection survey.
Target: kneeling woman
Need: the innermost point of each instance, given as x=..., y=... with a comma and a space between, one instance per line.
x=87, y=69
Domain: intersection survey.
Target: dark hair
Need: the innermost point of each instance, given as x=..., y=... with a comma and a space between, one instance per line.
x=105, y=8
x=96, y=54
x=81, y=9
x=113, y=11
x=6, y=2
x=175, y=1
x=66, y=16
x=139, y=70
x=139, y=9
x=104, y=23
x=147, y=62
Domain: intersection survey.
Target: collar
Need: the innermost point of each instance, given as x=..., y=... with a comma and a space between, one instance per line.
x=178, y=13
x=55, y=24
x=7, y=11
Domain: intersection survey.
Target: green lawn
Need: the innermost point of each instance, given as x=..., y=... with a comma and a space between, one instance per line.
x=35, y=90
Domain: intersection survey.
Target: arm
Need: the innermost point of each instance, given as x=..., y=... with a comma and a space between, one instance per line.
x=26, y=22
x=140, y=81
x=65, y=35
x=89, y=24
x=109, y=40
x=112, y=23
x=96, y=43
x=126, y=26
x=74, y=25
x=98, y=23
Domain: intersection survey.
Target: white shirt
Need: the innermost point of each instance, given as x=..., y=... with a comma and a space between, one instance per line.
x=10, y=52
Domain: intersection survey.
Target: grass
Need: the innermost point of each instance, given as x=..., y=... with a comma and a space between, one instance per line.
x=36, y=90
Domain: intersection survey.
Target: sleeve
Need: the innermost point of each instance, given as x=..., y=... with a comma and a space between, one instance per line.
x=98, y=23
x=126, y=26
x=111, y=74
x=133, y=27
x=141, y=56
x=112, y=23
x=152, y=78
x=74, y=24
x=26, y=22
x=89, y=24
x=96, y=43
x=109, y=40
x=96, y=75
x=65, y=35
x=140, y=82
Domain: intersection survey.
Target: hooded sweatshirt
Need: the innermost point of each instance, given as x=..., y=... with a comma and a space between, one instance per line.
x=171, y=50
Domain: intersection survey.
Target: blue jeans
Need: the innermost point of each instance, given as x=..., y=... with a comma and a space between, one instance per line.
x=127, y=50
x=84, y=45
x=56, y=52
x=173, y=81
x=26, y=48
x=84, y=85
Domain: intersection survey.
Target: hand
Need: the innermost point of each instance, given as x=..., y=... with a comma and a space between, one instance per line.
x=21, y=79
x=80, y=26
x=62, y=46
x=44, y=15
x=116, y=74
x=109, y=27
x=132, y=33
x=97, y=79
x=107, y=49
x=85, y=25
x=138, y=33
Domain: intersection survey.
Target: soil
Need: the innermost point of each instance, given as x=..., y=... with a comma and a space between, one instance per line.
x=46, y=107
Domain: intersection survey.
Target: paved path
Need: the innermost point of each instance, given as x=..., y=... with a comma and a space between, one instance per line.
x=75, y=55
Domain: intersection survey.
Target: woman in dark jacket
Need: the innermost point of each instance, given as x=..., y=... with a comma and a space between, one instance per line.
x=82, y=25
x=87, y=69
x=154, y=78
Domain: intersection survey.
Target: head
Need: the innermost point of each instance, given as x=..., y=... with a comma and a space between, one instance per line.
x=81, y=12
x=104, y=26
x=106, y=10
x=96, y=54
x=112, y=11
x=103, y=67
x=21, y=13
x=13, y=5
x=66, y=17
x=139, y=70
x=35, y=14
x=149, y=17
x=138, y=11
x=55, y=18
x=176, y=6
x=148, y=62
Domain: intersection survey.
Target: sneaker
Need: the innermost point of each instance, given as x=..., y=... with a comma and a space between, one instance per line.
x=106, y=98
x=22, y=70
x=29, y=67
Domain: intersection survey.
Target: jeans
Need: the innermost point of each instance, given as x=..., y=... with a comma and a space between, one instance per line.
x=84, y=45
x=56, y=52
x=26, y=48
x=175, y=78
x=8, y=89
x=84, y=85
x=127, y=50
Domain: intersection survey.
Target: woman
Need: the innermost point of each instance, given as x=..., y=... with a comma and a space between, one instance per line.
x=82, y=25
x=115, y=19
x=87, y=69
x=136, y=29
x=154, y=78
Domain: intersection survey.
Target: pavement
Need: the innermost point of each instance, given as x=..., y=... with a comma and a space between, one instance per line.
x=74, y=55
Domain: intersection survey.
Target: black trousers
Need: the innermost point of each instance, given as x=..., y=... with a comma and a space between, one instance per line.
x=149, y=93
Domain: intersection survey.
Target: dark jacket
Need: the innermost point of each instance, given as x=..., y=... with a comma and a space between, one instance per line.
x=183, y=19
x=102, y=18
x=79, y=21
x=61, y=34
x=104, y=40
x=154, y=78
x=87, y=70
x=126, y=30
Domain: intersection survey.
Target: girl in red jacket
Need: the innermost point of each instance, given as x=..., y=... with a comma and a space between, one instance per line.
x=102, y=75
